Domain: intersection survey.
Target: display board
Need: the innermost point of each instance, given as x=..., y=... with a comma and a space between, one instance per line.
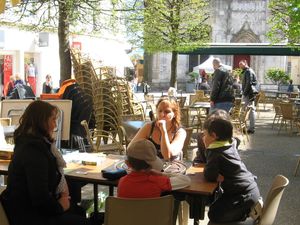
x=18, y=105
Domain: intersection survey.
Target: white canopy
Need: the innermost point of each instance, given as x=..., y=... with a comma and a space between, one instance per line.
x=208, y=66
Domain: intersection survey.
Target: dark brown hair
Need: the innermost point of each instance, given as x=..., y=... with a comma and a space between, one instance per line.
x=138, y=164
x=35, y=119
x=219, y=123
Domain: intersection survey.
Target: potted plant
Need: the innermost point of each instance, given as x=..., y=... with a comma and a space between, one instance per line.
x=277, y=76
x=237, y=73
x=191, y=83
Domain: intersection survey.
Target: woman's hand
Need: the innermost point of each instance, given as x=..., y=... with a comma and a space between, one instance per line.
x=64, y=201
x=161, y=124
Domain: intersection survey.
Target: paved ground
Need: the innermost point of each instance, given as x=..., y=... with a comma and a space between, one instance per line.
x=268, y=154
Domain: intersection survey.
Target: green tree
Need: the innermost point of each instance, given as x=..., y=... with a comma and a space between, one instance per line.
x=277, y=76
x=64, y=17
x=284, y=21
x=170, y=26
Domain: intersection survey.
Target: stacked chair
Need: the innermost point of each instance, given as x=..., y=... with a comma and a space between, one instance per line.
x=239, y=116
x=112, y=100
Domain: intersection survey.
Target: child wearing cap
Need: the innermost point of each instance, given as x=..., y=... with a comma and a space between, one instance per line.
x=240, y=191
x=145, y=179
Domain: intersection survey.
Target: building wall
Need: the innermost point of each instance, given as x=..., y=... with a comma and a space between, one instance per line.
x=295, y=69
x=240, y=21
x=20, y=44
x=23, y=44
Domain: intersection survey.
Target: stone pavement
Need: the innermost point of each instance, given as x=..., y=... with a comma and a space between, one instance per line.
x=268, y=154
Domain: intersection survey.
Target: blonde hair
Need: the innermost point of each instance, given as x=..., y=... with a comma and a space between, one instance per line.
x=172, y=101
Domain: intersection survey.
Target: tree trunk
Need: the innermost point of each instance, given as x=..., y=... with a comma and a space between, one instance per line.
x=64, y=45
x=173, y=80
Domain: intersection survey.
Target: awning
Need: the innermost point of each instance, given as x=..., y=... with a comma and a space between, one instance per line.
x=246, y=49
x=208, y=66
x=2, y=4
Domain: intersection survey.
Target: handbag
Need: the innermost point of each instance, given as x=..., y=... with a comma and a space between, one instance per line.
x=113, y=174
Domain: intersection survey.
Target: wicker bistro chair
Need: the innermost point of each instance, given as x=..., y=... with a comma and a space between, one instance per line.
x=195, y=122
x=146, y=211
x=239, y=118
x=288, y=116
x=106, y=141
x=278, y=113
x=107, y=135
x=265, y=214
x=181, y=101
x=5, y=121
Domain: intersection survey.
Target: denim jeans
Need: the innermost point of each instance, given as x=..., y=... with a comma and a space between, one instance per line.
x=250, y=104
x=221, y=105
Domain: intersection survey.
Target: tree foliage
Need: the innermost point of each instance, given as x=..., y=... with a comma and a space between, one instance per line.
x=170, y=26
x=284, y=21
x=65, y=17
x=277, y=76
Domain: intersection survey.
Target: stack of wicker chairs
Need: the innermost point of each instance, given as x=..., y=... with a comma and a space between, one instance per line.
x=106, y=135
x=131, y=109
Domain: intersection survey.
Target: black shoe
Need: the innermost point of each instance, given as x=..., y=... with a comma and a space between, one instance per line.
x=250, y=131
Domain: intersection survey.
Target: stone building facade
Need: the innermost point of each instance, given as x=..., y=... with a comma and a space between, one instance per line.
x=232, y=21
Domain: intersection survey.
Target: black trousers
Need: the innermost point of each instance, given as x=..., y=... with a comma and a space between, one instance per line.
x=230, y=208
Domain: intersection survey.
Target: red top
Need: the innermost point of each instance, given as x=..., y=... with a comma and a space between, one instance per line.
x=143, y=185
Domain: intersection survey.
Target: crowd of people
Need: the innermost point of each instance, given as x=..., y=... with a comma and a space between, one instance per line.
x=37, y=191
x=16, y=80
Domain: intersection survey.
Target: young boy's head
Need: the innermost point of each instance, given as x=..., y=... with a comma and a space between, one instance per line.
x=217, y=127
x=141, y=155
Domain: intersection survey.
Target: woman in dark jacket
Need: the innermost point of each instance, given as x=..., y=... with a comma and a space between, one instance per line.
x=37, y=192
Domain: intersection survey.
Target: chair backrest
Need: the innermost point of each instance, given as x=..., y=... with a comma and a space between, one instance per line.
x=3, y=217
x=149, y=98
x=200, y=93
x=187, y=141
x=181, y=101
x=273, y=199
x=192, y=99
x=287, y=110
x=148, y=211
x=5, y=121
x=15, y=115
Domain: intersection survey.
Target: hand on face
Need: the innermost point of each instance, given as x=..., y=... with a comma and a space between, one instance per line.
x=162, y=125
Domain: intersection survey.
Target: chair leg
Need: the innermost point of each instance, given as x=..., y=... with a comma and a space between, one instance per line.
x=280, y=126
x=297, y=167
x=183, y=213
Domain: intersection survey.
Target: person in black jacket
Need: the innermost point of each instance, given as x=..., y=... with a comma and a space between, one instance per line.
x=47, y=85
x=238, y=190
x=222, y=94
x=249, y=83
x=37, y=192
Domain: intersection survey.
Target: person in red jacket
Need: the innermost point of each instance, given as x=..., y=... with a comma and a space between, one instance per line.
x=146, y=179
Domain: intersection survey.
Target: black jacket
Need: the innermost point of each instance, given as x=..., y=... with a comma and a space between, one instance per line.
x=227, y=162
x=249, y=82
x=32, y=180
x=222, y=90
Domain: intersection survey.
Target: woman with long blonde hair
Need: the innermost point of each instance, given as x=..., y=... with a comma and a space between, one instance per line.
x=165, y=132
